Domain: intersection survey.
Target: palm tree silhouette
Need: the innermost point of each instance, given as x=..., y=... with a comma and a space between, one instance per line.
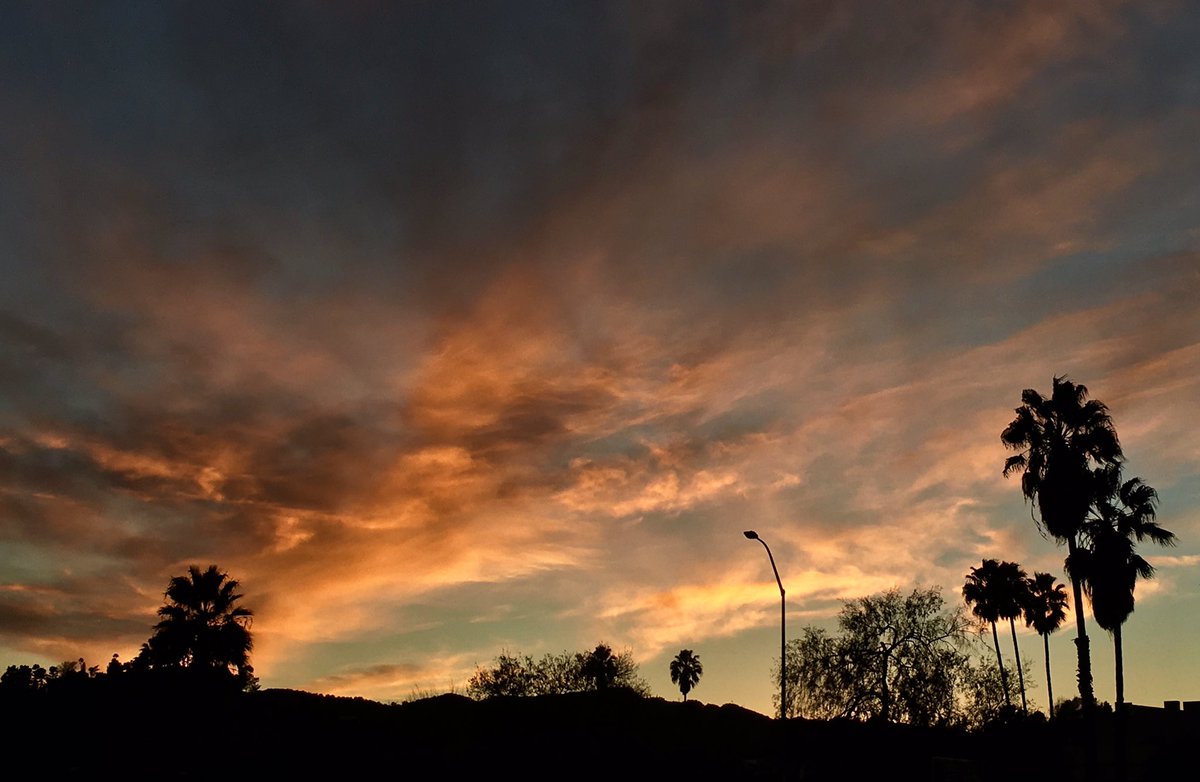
x=600, y=667
x=981, y=592
x=686, y=671
x=1059, y=440
x=1011, y=585
x=1045, y=611
x=1109, y=566
x=201, y=627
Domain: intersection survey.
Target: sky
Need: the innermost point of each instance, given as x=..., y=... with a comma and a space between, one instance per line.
x=450, y=328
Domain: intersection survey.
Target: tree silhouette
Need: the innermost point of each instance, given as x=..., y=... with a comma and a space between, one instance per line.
x=1011, y=587
x=600, y=667
x=981, y=591
x=1059, y=440
x=555, y=674
x=898, y=658
x=686, y=671
x=201, y=627
x=1109, y=565
x=1045, y=611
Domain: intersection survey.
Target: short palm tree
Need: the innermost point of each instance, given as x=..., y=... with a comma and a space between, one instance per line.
x=600, y=667
x=980, y=592
x=1059, y=440
x=686, y=671
x=1109, y=564
x=201, y=626
x=1045, y=611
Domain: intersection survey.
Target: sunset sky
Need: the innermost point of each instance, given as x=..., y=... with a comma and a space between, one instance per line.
x=450, y=328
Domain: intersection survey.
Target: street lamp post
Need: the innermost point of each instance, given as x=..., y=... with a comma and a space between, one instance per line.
x=752, y=535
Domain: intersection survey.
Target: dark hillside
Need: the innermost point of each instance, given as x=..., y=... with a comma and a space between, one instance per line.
x=201, y=735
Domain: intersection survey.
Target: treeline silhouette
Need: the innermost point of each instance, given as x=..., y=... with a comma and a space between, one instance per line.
x=205, y=734
x=202, y=641
x=558, y=674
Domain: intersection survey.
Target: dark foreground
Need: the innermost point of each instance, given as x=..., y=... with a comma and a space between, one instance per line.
x=616, y=735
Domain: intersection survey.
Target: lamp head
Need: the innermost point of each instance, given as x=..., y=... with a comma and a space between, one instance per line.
x=751, y=534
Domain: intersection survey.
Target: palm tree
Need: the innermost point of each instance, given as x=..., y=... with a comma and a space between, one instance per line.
x=980, y=592
x=1010, y=587
x=1109, y=566
x=686, y=671
x=1059, y=440
x=600, y=667
x=1045, y=611
x=201, y=628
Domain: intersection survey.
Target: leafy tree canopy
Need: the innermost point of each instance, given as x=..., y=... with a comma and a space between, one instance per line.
x=556, y=674
x=897, y=658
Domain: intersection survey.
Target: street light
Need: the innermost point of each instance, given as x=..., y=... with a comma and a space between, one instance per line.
x=752, y=535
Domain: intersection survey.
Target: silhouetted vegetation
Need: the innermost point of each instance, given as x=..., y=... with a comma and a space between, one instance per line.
x=996, y=590
x=201, y=642
x=899, y=658
x=149, y=733
x=686, y=671
x=202, y=629
x=1070, y=463
x=1059, y=440
x=1108, y=565
x=557, y=674
x=1045, y=610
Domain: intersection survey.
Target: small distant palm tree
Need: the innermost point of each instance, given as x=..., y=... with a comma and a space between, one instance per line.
x=1045, y=611
x=686, y=671
x=980, y=592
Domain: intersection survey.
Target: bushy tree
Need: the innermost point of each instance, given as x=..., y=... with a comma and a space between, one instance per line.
x=556, y=674
x=23, y=678
x=897, y=659
x=510, y=676
x=984, y=695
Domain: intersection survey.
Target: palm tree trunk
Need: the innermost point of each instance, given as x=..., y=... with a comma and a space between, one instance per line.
x=1049, y=684
x=1082, y=645
x=1120, y=666
x=1122, y=733
x=1000, y=662
x=1020, y=673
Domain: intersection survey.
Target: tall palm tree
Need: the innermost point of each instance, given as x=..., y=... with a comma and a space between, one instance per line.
x=1010, y=585
x=1045, y=611
x=201, y=627
x=1059, y=441
x=686, y=671
x=1109, y=565
x=980, y=592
